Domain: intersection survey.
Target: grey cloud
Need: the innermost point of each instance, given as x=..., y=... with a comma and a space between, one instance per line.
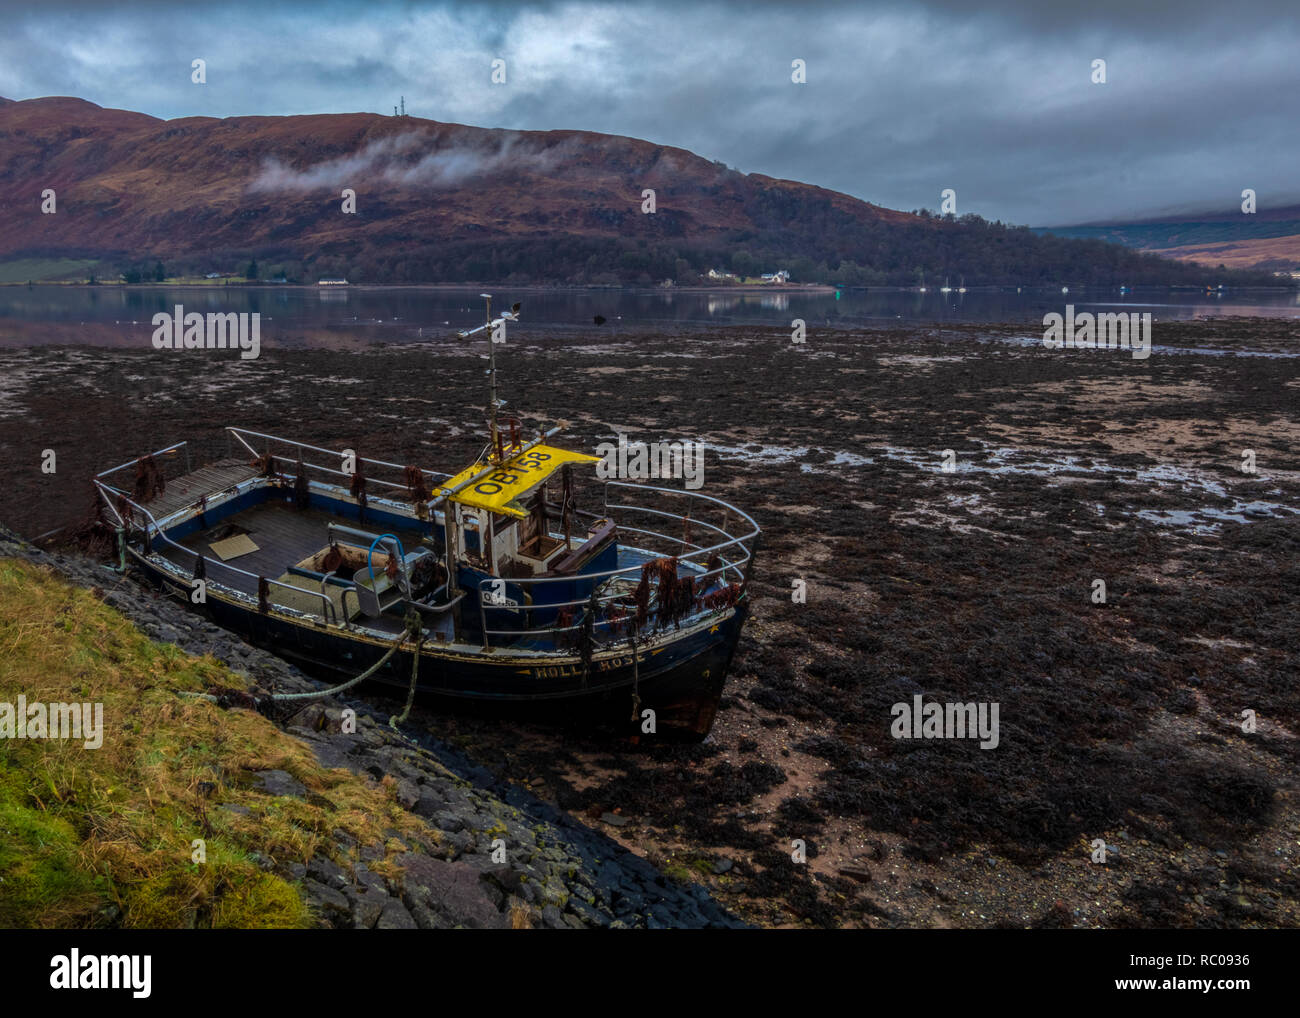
x=413, y=159
x=903, y=99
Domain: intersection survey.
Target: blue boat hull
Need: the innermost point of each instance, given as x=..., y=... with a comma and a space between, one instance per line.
x=680, y=676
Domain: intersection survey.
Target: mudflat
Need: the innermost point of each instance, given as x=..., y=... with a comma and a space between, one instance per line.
x=950, y=496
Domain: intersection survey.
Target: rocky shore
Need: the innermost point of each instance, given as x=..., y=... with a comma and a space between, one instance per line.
x=557, y=873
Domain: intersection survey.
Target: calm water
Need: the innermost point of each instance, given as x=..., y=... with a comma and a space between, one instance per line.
x=42, y=314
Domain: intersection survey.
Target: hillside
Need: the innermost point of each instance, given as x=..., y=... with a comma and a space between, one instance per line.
x=447, y=202
x=1266, y=239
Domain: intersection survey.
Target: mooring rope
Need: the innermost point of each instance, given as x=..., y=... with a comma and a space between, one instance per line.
x=636, y=680
x=400, y=719
x=412, y=630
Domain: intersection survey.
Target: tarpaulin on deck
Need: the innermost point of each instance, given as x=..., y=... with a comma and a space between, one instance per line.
x=498, y=490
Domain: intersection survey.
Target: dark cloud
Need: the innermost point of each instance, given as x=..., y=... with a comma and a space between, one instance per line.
x=992, y=99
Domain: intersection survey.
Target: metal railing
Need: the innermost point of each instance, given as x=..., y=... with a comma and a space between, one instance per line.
x=733, y=567
x=156, y=455
x=113, y=496
x=241, y=434
x=327, y=613
x=737, y=564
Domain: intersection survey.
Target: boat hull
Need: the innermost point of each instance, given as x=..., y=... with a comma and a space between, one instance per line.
x=679, y=675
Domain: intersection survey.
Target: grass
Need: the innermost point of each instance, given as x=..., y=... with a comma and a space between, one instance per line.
x=40, y=270
x=105, y=837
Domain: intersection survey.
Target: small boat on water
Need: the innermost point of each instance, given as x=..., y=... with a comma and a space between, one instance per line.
x=490, y=586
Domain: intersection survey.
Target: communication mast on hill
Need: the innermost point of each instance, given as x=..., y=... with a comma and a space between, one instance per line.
x=403, y=105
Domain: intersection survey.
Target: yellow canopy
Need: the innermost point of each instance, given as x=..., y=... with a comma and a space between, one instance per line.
x=499, y=490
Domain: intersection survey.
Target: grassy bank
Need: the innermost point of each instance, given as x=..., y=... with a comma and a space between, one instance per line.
x=105, y=837
x=47, y=270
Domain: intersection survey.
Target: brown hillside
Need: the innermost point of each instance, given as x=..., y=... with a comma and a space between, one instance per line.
x=1275, y=252
x=129, y=183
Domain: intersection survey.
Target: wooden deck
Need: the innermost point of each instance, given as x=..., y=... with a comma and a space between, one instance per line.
x=189, y=488
x=184, y=491
x=284, y=535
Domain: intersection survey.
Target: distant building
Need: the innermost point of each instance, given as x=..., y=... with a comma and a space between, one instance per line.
x=718, y=274
x=776, y=277
x=213, y=275
x=332, y=282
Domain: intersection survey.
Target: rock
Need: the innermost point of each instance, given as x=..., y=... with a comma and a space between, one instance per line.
x=553, y=918
x=311, y=717
x=335, y=752
x=615, y=820
x=450, y=890
x=430, y=805
x=859, y=873
x=584, y=911
x=723, y=866
x=279, y=783
x=533, y=892
x=456, y=844
x=367, y=907
x=334, y=719
x=327, y=872
x=395, y=917
x=404, y=766
x=331, y=904
x=371, y=738
x=408, y=794
x=367, y=879
x=447, y=821
x=506, y=877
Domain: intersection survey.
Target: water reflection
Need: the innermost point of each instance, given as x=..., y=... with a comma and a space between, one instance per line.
x=400, y=314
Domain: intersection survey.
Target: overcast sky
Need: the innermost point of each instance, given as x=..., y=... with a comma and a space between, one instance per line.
x=993, y=99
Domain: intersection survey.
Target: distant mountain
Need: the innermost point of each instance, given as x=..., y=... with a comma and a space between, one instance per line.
x=1266, y=239
x=446, y=202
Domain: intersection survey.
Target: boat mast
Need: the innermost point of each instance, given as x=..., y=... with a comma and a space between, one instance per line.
x=492, y=374
x=494, y=404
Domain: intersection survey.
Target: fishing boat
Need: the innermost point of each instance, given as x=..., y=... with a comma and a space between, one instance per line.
x=510, y=583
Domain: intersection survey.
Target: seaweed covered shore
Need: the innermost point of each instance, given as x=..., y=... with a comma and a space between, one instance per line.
x=968, y=577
